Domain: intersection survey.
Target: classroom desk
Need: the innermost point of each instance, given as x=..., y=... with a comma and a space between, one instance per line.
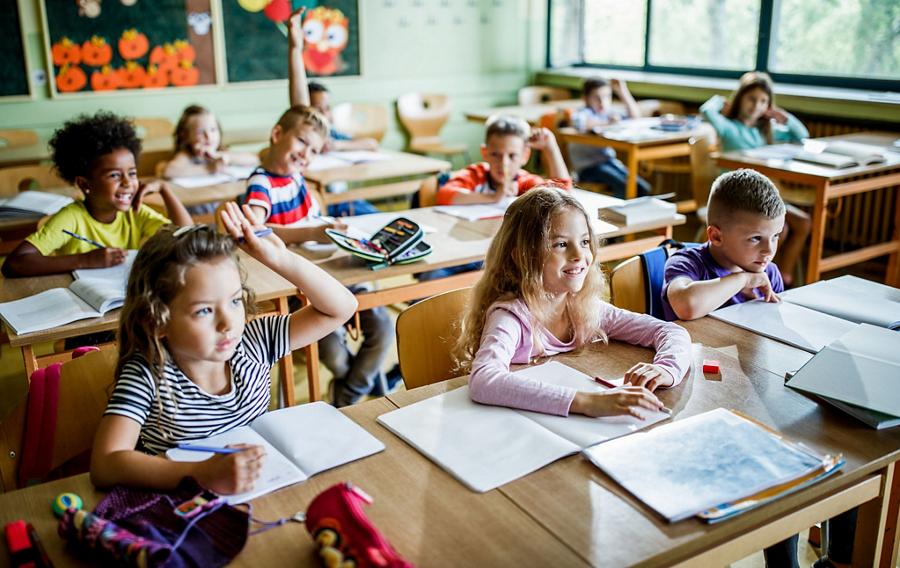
x=832, y=184
x=267, y=285
x=190, y=196
x=529, y=113
x=569, y=513
x=401, y=165
x=647, y=145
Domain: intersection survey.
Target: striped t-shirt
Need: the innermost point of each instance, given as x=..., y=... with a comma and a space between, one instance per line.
x=188, y=412
x=286, y=198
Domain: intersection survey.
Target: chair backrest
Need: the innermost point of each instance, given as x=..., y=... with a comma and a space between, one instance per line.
x=426, y=332
x=19, y=178
x=428, y=192
x=153, y=127
x=423, y=115
x=360, y=120
x=626, y=286
x=15, y=138
x=703, y=167
x=536, y=94
x=636, y=284
x=84, y=387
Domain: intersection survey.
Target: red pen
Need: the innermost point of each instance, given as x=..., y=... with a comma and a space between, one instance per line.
x=605, y=383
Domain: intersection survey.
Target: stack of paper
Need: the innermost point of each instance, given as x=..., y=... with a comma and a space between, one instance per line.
x=477, y=211
x=640, y=210
x=852, y=299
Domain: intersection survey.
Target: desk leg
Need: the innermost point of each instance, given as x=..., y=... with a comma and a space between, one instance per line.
x=312, y=365
x=890, y=545
x=892, y=278
x=817, y=240
x=286, y=364
x=872, y=543
x=631, y=162
x=31, y=363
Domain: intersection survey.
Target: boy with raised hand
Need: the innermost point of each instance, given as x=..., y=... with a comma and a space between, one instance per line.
x=508, y=142
x=746, y=218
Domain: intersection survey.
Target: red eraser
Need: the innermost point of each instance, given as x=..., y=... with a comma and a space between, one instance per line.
x=710, y=366
x=17, y=537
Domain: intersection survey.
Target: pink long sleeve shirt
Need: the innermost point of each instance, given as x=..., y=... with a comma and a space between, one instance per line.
x=510, y=337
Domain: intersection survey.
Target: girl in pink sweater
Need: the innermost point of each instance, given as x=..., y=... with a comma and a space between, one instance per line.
x=541, y=295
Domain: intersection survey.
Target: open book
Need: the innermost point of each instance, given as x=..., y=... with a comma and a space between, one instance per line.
x=84, y=298
x=789, y=323
x=640, y=210
x=850, y=298
x=300, y=442
x=33, y=204
x=861, y=368
x=840, y=153
x=485, y=447
x=696, y=464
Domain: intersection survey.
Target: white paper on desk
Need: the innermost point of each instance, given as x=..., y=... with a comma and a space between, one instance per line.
x=359, y=156
x=476, y=211
x=795, y=325
x=326, y=162
x=691, y=465
x=862, y=367
x=852, y=299
x=364, y=226
x=49, y=309
x=31, y=201
x=206, y=180
x=117, y=274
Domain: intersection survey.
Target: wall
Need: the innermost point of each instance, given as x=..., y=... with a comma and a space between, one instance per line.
x=478, y=51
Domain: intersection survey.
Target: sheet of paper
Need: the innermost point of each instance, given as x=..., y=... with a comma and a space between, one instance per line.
x=582, y=430
x=42, y=202
x=118, y=273
x=359, y=156
x=691, y=465
x=852, y=299
x=50, y=308
x=364, y=226
x=101, y=295
x=795, y=325
x=277, y=470
x=316, y=436
x=481, y=446
x=191, y=182
x=862, y=368
x=326, y=162
x=475, y=212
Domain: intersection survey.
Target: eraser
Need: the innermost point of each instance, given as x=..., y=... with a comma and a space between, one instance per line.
x=66, y=501
x=710, y=366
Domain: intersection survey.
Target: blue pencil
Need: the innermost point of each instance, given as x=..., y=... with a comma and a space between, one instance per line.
x=209, y=449
x=85, y=239
x=259, y=233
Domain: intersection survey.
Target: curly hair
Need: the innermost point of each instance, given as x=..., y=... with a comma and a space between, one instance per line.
x=78, y=144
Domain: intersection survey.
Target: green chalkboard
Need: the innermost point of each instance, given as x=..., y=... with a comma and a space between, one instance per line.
x=112, y=45
x=13, y=70
x=256, y=43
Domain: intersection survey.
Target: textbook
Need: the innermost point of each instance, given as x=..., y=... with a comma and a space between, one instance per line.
x=861, y=368
x=840, y=153
x=117, y=274
x=33, y=203
x=637, y=211
x=786, y=322
x=486, y=446
x=850, y=298
x=691, y=466
x=84, y=298
x=300, y=441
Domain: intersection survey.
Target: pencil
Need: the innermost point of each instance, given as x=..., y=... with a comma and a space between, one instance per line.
x=209, y=449
x=85, y=239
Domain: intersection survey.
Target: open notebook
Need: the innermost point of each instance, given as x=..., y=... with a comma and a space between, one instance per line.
x=786, y=322
x=852, y=299
x=83, y=299
x=300, y=442
x=697, y=464
x=33, y=203
x=485, y=447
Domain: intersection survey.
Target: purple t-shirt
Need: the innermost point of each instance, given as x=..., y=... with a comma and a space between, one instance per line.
x=698, y=264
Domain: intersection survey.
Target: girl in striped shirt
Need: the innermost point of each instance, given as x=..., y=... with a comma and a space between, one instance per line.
x=191, y=365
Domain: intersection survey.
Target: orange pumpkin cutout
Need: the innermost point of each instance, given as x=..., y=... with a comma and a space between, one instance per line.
x=186, y=51
x=70, y=79
x=132, y=76
x=65, y=52
x=164, y=57
x=185, y=75
x=105, y=80
x=133, y=44
x=96, y=52
x=156, y=78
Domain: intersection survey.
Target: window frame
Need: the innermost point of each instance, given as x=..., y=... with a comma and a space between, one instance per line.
x=763, y=50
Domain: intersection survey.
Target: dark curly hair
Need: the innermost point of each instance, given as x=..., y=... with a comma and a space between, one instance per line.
x=78, y=144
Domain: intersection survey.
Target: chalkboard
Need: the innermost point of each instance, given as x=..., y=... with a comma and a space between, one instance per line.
x=114, y=45
x=256, y=43
x=13, y=69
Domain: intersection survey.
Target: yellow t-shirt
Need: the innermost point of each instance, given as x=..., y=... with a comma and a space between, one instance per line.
x=128, y=231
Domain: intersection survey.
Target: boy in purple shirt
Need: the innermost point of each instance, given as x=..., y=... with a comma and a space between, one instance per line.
x=746, y=217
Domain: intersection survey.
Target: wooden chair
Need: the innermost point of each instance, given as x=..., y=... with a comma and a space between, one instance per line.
x=153, y=127
x=536, y=94
x=428, y=192
x=423, y=116
x=626, y=286
x=361, y=120
x=703, y=172
x=84, y=387
x=426, y=332
x=16, y=138
x=20, y=178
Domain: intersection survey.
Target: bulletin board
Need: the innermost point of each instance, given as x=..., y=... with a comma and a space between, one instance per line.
x=13, y=66
x=120, y=45
x=256, y=42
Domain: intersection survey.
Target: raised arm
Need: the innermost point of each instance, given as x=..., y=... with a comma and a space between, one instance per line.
x=620, y=88
x=174, y=208
x=297, y=82
x=544, y=140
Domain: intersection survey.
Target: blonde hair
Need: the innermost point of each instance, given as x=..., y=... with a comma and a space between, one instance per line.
x=501, y=125
x=514, y=265
x=157, y=276
x=302, y=114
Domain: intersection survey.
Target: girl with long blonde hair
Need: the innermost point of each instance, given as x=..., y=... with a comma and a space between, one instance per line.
x=540, y=295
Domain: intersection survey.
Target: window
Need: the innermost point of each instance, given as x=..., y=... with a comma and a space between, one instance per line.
x=846, y=43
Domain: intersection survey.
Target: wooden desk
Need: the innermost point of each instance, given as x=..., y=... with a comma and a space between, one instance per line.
x=529, y=113
x=267, y=285
x=606, y=526
x=190, y=196
x=647, y=145
x=400, y=165
x=832, y=184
